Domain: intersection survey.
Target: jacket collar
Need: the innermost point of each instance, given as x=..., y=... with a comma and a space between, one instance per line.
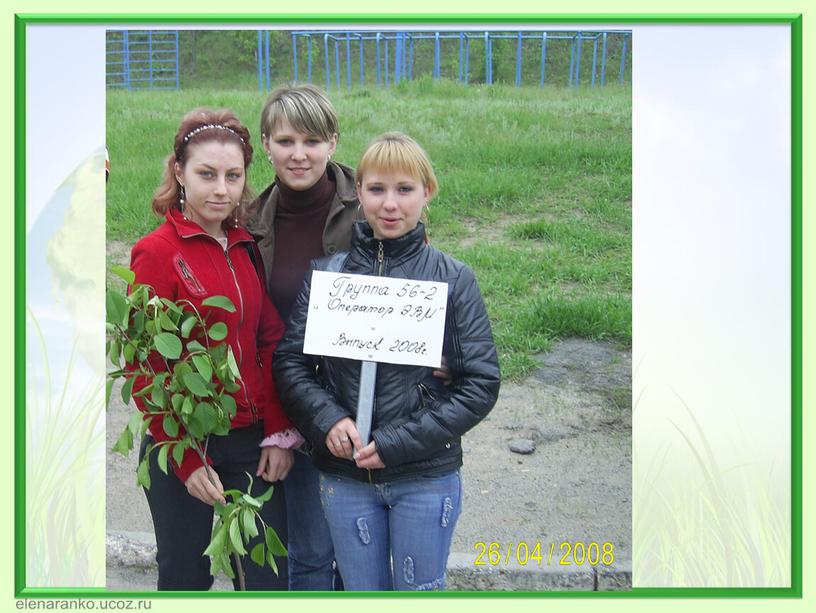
x=264, y=206
x=363, y=239
x=186, y=228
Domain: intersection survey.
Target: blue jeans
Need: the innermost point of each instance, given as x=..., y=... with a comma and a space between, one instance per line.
x=394, y=535
x=311, y=554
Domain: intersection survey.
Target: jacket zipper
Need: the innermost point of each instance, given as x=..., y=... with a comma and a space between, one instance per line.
x=253, y=410
x=188, y=275
x=380, y=267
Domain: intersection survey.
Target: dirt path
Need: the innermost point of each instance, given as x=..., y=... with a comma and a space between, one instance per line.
x=576, y=485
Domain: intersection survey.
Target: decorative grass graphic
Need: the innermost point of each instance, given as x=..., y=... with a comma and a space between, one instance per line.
x=65, y=475
x=717, y=527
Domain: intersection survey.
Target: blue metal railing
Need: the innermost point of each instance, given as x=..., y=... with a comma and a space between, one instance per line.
x=394, y=54
x=142, y=59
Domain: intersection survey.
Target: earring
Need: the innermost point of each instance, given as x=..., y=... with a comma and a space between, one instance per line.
x=181, y=203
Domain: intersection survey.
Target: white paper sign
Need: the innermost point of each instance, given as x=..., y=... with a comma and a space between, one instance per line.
x=380, y=319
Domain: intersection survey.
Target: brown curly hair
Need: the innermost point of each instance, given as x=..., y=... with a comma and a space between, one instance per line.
x=168, y=194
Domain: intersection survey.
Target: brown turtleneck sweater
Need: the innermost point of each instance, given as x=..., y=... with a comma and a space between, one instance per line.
x=299, y=222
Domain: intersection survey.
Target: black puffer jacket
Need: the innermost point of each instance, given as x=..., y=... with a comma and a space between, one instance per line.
x=418, y=421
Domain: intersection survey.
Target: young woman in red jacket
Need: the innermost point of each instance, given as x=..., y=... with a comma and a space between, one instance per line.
x=202, y=250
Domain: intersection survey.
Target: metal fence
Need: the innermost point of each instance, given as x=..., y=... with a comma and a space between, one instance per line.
x=394, y=55
x=142, y=59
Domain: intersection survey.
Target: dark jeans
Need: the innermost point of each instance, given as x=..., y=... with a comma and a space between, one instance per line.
x=183, y=524
x=311, y=553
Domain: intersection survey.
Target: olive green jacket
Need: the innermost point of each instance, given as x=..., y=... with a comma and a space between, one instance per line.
x=343, y=212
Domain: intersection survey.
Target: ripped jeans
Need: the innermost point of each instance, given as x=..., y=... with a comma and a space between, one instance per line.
x=394, y=535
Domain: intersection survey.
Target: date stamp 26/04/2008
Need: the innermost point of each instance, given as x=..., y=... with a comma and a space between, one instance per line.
x=565, y=553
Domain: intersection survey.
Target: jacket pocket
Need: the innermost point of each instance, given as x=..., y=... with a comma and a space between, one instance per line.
x=185, y=273
x=426, y=395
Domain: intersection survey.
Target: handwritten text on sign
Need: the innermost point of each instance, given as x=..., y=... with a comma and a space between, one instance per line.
x=379, y=319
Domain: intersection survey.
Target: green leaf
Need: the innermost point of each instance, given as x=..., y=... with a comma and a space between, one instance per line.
x=195, y=384
x=127, y=275
x=177, y=401
x=130, y=352
x=206, y=416
x=232, y=387
x=135, y=422
x=233, y=365
x=217, y=541
x=187, y=406
x=171, y=306
x=248, y=523
x=251, y=501
x=225, y=564
x=266, y=495
x=170, y=425
x=222, y=302
x=222, y=429
x=218, y=331
x=182, y=368
x=187, y=325
x=124, y=443
x=193, y=346
x=116, y=307
x=115, y=352
x=229, y=406
x=274, y=544
x=168, y=345
x=271, y=560
x=139, y=322
x=235, y=538
x=163, y=458
x=258, y=554
x=166, y=323
x=178, y=453
x=127, y=389
x=195, y=428
x=144, y=391
x=234, y=494
x=203, y=366
x=108, y=388
x=215, y=565
x=158, y=396
x=143, y=474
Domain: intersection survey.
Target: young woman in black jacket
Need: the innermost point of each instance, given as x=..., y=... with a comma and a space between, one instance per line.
x=397, y=497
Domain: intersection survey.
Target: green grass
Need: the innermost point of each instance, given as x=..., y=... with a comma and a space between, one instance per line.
x=535, y=190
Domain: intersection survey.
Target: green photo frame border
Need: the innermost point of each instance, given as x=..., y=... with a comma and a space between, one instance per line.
x=21, y=21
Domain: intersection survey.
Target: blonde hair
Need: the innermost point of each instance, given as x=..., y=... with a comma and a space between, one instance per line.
x=394, y=152
x=304, y=106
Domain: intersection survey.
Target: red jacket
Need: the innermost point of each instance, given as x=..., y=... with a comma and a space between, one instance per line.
x=181, y=261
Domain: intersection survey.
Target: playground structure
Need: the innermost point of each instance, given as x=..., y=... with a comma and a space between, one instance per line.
x=142, y=59
x=397, y=65
x=150, y=59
